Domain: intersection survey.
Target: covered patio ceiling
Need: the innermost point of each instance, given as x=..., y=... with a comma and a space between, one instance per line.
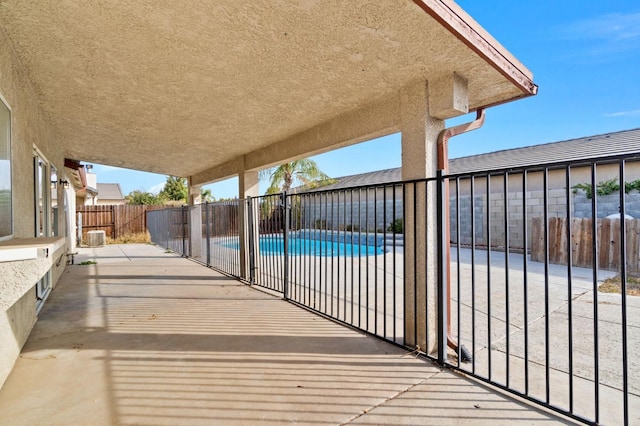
x=182, y=87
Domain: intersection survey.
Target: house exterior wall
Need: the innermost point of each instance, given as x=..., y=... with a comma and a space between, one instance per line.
x=109, y=202
x=29, y=130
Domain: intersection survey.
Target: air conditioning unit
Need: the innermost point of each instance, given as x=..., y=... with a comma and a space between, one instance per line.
x=96, y=238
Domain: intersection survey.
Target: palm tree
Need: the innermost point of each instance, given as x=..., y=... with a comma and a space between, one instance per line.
x=305, y=172
x=206, y=196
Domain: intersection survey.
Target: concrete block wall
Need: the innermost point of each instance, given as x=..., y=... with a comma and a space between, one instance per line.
x=371, y=216
x=556, y=207
x=607, y=205
x=496, y=216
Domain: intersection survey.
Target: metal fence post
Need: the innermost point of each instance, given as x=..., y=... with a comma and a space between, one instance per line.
x=185, y=226
x=285, y=239
x=442, y=267
x=250, y=228
x=207, y=227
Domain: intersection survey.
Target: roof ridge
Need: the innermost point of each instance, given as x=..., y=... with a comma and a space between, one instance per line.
x=545, y=144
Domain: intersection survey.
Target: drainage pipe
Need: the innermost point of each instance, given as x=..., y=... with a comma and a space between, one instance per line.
x=443, y=165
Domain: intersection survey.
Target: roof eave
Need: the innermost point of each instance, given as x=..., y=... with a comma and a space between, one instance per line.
x=467, y=30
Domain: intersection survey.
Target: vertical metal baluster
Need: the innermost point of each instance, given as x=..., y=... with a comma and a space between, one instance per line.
x=313, y=267
x=360, y=258
x=393, y=234
x=525, y=283
x=335, y=253
x=206, y=231
x=265, y=257
x=352, y=253
x=252, y=242
x=428, y=266
x=329, y=251
x=545, y=202
x=285, y=245
x=458, y=269
x=294, y=245
x=404, y=261
x=473, y=274
x=594, y=253
x=415, y=264
x=488, y=222
x=623, y=290
x=442, y=267
x=384, y=261
x=366, y=280
x=375, y=261
x=567, y=185
x=505, y=198
x=321, y=237
x=344, y=254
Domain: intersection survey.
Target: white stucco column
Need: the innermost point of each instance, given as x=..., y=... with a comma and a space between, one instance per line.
x=195, y=219
x=248, y=187
x=419, y=160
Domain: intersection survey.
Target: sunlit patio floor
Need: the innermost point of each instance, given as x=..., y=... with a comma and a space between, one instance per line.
x=149, y=338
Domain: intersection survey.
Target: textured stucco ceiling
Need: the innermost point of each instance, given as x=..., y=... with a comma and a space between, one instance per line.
x=179, y=86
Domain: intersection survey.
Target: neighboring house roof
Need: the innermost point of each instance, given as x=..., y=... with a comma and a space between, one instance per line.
x=110, y=191
x=608, y=144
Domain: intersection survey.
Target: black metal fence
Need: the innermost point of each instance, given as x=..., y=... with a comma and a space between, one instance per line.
x=537, y=324
x=170, y=229
x=492, y=273
x=220, y=235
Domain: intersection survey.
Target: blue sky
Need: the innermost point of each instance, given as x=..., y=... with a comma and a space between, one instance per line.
x=585, y=57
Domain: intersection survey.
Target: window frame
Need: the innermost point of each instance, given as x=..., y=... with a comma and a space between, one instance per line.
x=9, y=236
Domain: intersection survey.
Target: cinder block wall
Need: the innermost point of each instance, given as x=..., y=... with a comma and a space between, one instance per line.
x=556, y=207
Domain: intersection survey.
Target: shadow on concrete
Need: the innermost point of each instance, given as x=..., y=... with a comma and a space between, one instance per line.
x=123, y=351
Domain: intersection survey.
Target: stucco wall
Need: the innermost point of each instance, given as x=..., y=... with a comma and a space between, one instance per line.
x=29, y=129
x=15, y=325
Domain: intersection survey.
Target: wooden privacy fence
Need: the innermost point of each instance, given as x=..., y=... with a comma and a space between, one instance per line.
x=608, y=233
x=115, y=220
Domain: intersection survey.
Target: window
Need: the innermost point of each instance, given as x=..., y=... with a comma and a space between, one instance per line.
x=6, y=227
x=44, y=175
x=42, y=195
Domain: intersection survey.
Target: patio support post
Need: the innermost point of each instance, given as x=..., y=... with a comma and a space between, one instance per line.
x=419, y=161
x=248, y=187
x=195, y=220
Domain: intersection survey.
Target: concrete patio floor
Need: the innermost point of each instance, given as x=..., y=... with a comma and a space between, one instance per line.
x=146, y=337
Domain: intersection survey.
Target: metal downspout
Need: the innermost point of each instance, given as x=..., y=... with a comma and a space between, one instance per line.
x=443, y=165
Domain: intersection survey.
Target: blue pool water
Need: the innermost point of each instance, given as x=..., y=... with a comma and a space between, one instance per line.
x=303, y=246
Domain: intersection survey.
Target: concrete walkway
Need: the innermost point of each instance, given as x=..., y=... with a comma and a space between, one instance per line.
x=145, y=337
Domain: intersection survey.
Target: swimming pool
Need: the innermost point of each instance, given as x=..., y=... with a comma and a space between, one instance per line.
x=304, y=246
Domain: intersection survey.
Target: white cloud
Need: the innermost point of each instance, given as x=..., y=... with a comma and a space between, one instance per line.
x=155, y=189
x=632, y=113
x=614, y=27
x=603, y=38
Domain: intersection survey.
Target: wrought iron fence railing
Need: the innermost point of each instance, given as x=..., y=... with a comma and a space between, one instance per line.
x=499, y=274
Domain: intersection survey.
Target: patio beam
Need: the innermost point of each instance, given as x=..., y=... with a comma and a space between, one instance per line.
x=377, y=119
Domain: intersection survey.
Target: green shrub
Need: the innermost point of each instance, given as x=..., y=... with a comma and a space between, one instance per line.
x=397, y=226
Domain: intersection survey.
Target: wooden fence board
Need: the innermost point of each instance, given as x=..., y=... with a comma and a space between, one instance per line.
x=115, y=220
x=608, y=237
